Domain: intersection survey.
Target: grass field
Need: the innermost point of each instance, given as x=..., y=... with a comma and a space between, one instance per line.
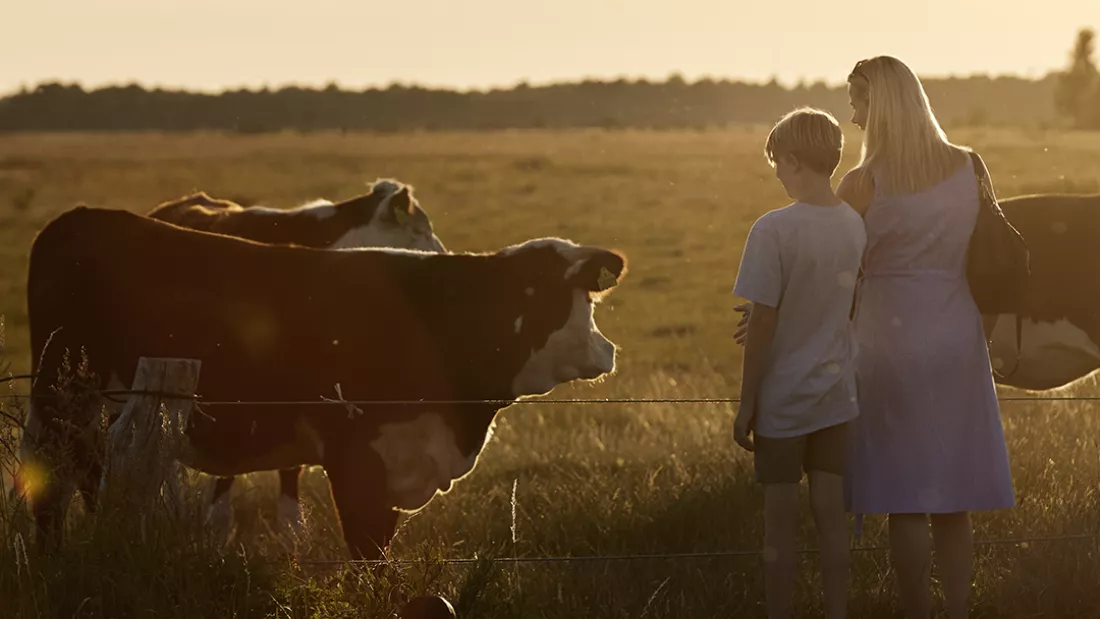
x=556, y=479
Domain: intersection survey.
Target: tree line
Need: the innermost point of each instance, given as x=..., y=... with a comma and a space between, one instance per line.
x=1071, y=97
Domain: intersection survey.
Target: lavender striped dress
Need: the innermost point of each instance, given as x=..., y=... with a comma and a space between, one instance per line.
x=928, y=438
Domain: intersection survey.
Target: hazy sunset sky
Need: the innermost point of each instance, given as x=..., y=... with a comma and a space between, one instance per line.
x=210, y=45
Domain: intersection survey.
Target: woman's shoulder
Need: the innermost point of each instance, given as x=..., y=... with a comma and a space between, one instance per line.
x=857, y=188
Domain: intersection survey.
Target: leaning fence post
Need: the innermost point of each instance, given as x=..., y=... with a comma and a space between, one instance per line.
x=145, y=440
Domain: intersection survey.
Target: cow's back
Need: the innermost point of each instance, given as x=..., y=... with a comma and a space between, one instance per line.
x=1056, y=227
x=60, y=283
x=197, y=211
x=1035, y=211
x=124, y=286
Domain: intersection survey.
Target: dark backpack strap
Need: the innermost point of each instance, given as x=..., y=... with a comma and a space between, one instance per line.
x=984, y=188
x=980, y=173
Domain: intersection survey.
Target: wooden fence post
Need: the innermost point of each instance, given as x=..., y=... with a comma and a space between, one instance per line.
x=145, y=440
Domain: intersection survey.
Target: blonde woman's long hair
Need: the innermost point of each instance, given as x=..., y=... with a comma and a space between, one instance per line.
x=903, y=143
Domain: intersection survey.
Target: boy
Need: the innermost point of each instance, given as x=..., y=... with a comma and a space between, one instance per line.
x=799, y=271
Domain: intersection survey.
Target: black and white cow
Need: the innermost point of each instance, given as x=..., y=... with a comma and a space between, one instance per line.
x=387, y=216
x=287, y=323
x=1056, y=340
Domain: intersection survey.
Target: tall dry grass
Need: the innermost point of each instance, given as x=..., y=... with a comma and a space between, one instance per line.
x=601, y=479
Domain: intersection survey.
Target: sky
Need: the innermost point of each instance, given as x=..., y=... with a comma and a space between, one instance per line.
x=211, y=45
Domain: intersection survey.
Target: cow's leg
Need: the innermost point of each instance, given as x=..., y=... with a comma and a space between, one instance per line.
x=89, y=486
x=357, y=480
x=16, y=492
x=49, y=506
x=44, y=482
x=219, y=515
x=290, y=512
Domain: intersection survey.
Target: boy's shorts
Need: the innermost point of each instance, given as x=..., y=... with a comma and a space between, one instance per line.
x=782, y=460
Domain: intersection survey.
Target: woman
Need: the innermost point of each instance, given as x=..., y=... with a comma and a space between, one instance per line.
x=928, y=446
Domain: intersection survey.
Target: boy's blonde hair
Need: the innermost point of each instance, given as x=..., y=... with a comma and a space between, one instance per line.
x=903, y=144
x=811, y=136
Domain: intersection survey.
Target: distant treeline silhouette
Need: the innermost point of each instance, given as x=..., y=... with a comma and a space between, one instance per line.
x=673, y=103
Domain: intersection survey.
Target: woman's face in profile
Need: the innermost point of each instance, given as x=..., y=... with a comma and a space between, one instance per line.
x=857, y=98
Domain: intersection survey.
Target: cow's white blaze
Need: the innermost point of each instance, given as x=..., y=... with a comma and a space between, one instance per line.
x=576, y=351
x=377, y=234
x=380, y=233
x=421, y=457
x=1053, y=354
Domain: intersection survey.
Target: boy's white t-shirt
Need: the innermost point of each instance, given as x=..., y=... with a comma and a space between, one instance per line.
x=804, y=259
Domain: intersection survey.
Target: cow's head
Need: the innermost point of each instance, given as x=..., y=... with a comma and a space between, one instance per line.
x=389, y=216
x=559, y=282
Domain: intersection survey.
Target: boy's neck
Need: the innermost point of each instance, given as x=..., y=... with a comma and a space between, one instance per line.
x=817, y=190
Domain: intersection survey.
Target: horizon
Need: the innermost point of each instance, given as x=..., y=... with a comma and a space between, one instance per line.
x=486, y=45
x=787, y=84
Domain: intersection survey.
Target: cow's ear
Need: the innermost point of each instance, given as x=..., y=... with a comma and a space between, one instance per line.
x=399, y=208
x=597, y=271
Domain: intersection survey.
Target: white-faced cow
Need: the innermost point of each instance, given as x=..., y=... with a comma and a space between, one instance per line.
x=1056, y=339
x=458, y=335
x=387, y=216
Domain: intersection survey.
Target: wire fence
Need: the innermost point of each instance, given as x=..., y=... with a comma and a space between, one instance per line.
x=322, y=400
x=1021, y=542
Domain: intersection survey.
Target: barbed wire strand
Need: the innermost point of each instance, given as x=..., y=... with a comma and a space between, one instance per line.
x=502, y=402
x=329, y=401
x=676, y=556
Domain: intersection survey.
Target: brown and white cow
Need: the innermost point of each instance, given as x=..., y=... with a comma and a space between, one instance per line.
x=287, y=323
x=1056, y=340
x=387, y=216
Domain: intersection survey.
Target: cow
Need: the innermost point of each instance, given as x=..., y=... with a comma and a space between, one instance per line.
x=386, y=216
x=1055, y=340
x=441, y=341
